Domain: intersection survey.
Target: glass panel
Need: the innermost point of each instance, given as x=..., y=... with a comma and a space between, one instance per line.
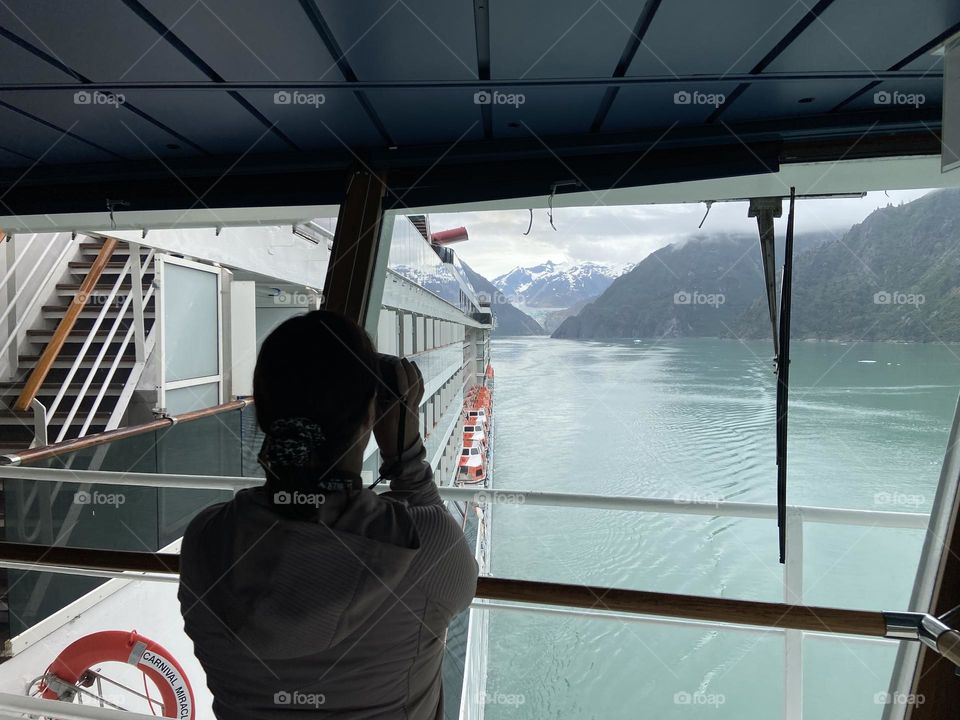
x=580, y=667
x=860, y=691
x=114, y=516
x=194, y=397
x=190, y=335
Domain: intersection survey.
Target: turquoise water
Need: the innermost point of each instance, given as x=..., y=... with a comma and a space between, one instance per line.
x=694, y=420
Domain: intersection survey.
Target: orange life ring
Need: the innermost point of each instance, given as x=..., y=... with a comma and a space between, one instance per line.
x=133, y=649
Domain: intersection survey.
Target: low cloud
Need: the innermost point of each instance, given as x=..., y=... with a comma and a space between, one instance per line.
x=620, y=235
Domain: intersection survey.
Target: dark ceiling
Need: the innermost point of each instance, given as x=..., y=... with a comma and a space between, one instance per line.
x=192, y=103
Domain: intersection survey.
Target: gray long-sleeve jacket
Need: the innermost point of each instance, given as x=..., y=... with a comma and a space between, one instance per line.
x=296, y=619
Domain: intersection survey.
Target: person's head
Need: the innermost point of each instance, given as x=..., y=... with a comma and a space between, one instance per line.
x=314, y=384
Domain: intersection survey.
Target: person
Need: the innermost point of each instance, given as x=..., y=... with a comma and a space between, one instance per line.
x=312, y=596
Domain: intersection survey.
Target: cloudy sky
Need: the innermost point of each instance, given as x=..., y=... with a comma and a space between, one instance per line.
x=627, y=234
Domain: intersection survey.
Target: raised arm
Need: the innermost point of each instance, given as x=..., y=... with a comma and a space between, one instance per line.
x=398, y=426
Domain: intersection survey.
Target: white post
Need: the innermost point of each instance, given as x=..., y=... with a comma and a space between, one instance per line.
x=136, y=292
x=39, y=424
x=13, y=354
x=793, y=595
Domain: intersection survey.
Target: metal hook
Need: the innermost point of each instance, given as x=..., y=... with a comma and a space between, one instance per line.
x=530, y=224
x=553, y=192
x=113, y=205
x=709, y=204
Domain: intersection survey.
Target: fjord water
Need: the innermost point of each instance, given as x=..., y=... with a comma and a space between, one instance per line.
x=693, y=420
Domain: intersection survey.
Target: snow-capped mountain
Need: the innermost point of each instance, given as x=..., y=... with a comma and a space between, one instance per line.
x=555, y=285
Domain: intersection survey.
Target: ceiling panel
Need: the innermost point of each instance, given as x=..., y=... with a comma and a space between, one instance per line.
x=660, y=106
x=429, y=116
x=213, y=120
x=782, y=99
x=108, y=125
x=21, y=66
x=573, y=38
x=928, y=62
x=101, y=39
x=408, y=40
x=751, y=28
x=230, y=37
x=9, y=159
x=313, y=125
x=547, y=111
x=35, y=140
x=850, y=36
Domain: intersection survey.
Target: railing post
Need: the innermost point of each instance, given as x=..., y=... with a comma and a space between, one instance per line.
x=136, y=292
x=52, y=350
x=39, y=424
x=793, y=595
x=13, y=351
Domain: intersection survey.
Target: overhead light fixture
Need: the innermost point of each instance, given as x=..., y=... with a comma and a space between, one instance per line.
x=311, y=231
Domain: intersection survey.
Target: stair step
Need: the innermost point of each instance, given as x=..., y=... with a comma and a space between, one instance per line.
x=29, y=361
x=14, y=388
x=70, y=289
x=92, y=309
x=92, y=248
x=18, y=419
x=80, y=336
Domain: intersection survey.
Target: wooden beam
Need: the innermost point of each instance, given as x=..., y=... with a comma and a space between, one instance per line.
x=65, y=327
x=355, y=245
x=691, y=607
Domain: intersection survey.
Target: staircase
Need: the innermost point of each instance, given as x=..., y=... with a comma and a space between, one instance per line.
x=16, y=428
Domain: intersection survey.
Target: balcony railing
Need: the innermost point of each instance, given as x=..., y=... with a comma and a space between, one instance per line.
x=170, y=466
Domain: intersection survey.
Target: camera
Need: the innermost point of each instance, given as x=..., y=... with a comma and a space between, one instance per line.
x=388, y=392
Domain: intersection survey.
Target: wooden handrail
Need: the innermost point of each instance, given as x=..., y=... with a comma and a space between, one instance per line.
x=65, y=327
x=690, y=607
x=109, y=436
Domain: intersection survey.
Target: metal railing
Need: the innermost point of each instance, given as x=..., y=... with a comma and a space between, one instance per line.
x=67, y=447
x=790, y=617
x=14, y=290
x=493, y=593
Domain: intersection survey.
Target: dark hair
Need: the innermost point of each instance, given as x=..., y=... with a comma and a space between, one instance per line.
x=321, y=367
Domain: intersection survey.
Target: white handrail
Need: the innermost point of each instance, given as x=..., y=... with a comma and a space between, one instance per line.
x=15, y=706
x=95, y=367
x=13, y=266
x=797, y=516
x=88, y=341
x=497, y=496
x=33, y=300
x=113, y=369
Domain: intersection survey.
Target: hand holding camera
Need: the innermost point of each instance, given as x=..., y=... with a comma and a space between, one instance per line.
x=397, y=423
